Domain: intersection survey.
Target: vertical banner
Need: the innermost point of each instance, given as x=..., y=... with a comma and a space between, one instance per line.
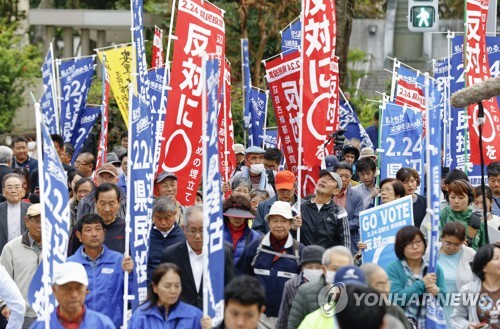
x=48, y=101
x=441, y=73
x=317, y=49
x=257, y=102
x=84, y=125
x=333, y=115
x=271, y=140
x=200, y=29
x=213, y=239
x=477, y=69
x=401, y=142
x=140, y=202
x=282, y=75
x=291, y=36
x=157, y=53
x=247, y=81
x=102, y=150
x=157, y=93
x=75, y=76
x=119, y=67
x=139, y=52
x=55, y=215
x=349, y=121
x=227, y=158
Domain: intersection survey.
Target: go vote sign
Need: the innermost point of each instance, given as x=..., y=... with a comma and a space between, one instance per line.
x=378, y=228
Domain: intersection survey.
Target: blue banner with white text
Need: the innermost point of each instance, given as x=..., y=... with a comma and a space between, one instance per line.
x=349, y=121
x=257, y=103
x=441, y=71
x=48, y=102
x=83, y=128
x=291, y=36
x=141, y=68
x=271, y=139
x=247, y=81
x=158, y=111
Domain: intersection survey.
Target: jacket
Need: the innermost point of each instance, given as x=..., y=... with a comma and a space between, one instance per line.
x=91, y=320
x=158, y=243
x=105, y=283
x=257, y=260
x=327, y=227
x=10, y=292
x=291, y=288
x=317, y=320
x=305, y=302
x=4, y=226
x=180, y=316
x=248, y=236
x=463, y=314
x=21, y=261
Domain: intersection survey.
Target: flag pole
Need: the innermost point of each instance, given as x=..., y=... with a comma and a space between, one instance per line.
x=206, y=217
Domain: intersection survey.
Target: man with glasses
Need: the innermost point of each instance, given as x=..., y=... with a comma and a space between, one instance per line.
x=84, y=164
x=494, y=184
x=21, y=257
x=189, y=258
x=13, y=210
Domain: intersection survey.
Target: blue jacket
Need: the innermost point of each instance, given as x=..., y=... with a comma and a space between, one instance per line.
x=272, y=275
x=180, y=316
x=158, y=243
x=105, y=283
x=248, y=237
x=91, y=320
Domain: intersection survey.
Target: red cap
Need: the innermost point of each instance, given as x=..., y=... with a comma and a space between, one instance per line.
x=285, y=179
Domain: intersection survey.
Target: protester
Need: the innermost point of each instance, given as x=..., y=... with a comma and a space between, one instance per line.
x=484, y=313
x=286, y=187
x=325, y=223
x=69, y=286
x=273, y=259
x=124, y=139
x=391, y=189
x=350, y=154
x=5, y=162
x=72, y=179
x=239, y=152
x=189, y=258
x=241, y=186
x=311, y=271
x=493, y=220
x=367, y=170
x=115, y=161
x=67, y=155
x=165, y=231
x=13, y=210
x=244, y=303
x=82, y=188
x=237, y=212
x=104, y=268
x=13, y=308
x=494, y=184
x=372, y=130
x=256, y=197
x=21, y=256
x=20, y=155
x=122, y=177
x=85, y=163
x=272, y=158
x=59, y=147
x=408, y=274
x=450, y=177
x=166, y=185
x=254, y=170
x=361, y=315
x=411, y=180
x=162, y=308
x=28, y=196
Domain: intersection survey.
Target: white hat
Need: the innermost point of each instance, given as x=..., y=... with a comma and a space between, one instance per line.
x=239, y=149
x=280, y=208
x=70, y=272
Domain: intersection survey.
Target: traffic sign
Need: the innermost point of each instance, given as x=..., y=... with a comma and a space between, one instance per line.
x=423, y=15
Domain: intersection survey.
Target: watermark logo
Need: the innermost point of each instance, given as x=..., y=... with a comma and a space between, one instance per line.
x=332, y=299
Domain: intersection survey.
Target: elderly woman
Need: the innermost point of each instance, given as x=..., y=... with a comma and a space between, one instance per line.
x=484, y=313
x=411, y=180
x=237, y=213
x=81, y=189
x=274, y=259
x=391, y=189
x=256, y=197
x=408, y=275
x=241, y=186
x=162, y=308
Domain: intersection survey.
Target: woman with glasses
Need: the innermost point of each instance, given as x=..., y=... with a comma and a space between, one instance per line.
x=411, y=181
x=409, y=276
x=391, y=189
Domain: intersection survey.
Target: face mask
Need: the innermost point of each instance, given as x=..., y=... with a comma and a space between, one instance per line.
x=257, y=168
x=312, y=274
x=330, y=276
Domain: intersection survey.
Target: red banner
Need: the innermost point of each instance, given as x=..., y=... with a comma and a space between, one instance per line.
x=283, y=74
x=477, y=69
x=227, y=158
x=318, y=46
x=157, y=54
x=103, y=140
x=200, y=29
x=409, y=94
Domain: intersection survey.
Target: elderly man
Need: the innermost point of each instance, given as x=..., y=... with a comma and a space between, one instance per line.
x=104, y=267
x=69, y=286
x=12, y=296
x=325, y=223
x=84, y=164
x=188, y=256
x=306, y=298
x=239, y=152
x=273, y=259
x=5, y=163
x=166, y=185
x=13, y=210
x=21, y=257
x=255, y=171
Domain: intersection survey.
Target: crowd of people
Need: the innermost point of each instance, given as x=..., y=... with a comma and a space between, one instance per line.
x=288, y=258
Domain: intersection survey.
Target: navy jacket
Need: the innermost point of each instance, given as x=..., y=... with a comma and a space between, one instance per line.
x=158, y=243
x=180, y=316
x=248, y=237
x=91, y=320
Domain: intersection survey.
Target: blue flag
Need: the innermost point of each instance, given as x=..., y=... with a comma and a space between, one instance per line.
x=258, y=108
x=141, y=69
x=83, y=128
x=75, y=76
x=158, y=111
x=213, y=236
x=291, y=36
x=247, y=81
x=55, y=223
x=349, y=121
x=441, y=71
x=140, y=196
x=271, y=139
x=48, y=102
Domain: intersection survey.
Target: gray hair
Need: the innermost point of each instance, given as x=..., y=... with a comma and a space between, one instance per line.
x=5, y=154
x=370, y=269
x=189, y=211
x=257, y=192
x=341, y=250
x=241, y=181
x=164, y=204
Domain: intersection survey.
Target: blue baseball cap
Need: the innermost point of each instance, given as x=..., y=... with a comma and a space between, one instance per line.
x=350, y=275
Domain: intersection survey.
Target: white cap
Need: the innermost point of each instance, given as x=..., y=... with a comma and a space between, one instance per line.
x=70, y=272
x=280, y=208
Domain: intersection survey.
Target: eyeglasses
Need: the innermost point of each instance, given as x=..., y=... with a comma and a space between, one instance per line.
x=193, y=232
x=418, y=243
x=451, y=244
x=387, y=189
x=11, y=188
